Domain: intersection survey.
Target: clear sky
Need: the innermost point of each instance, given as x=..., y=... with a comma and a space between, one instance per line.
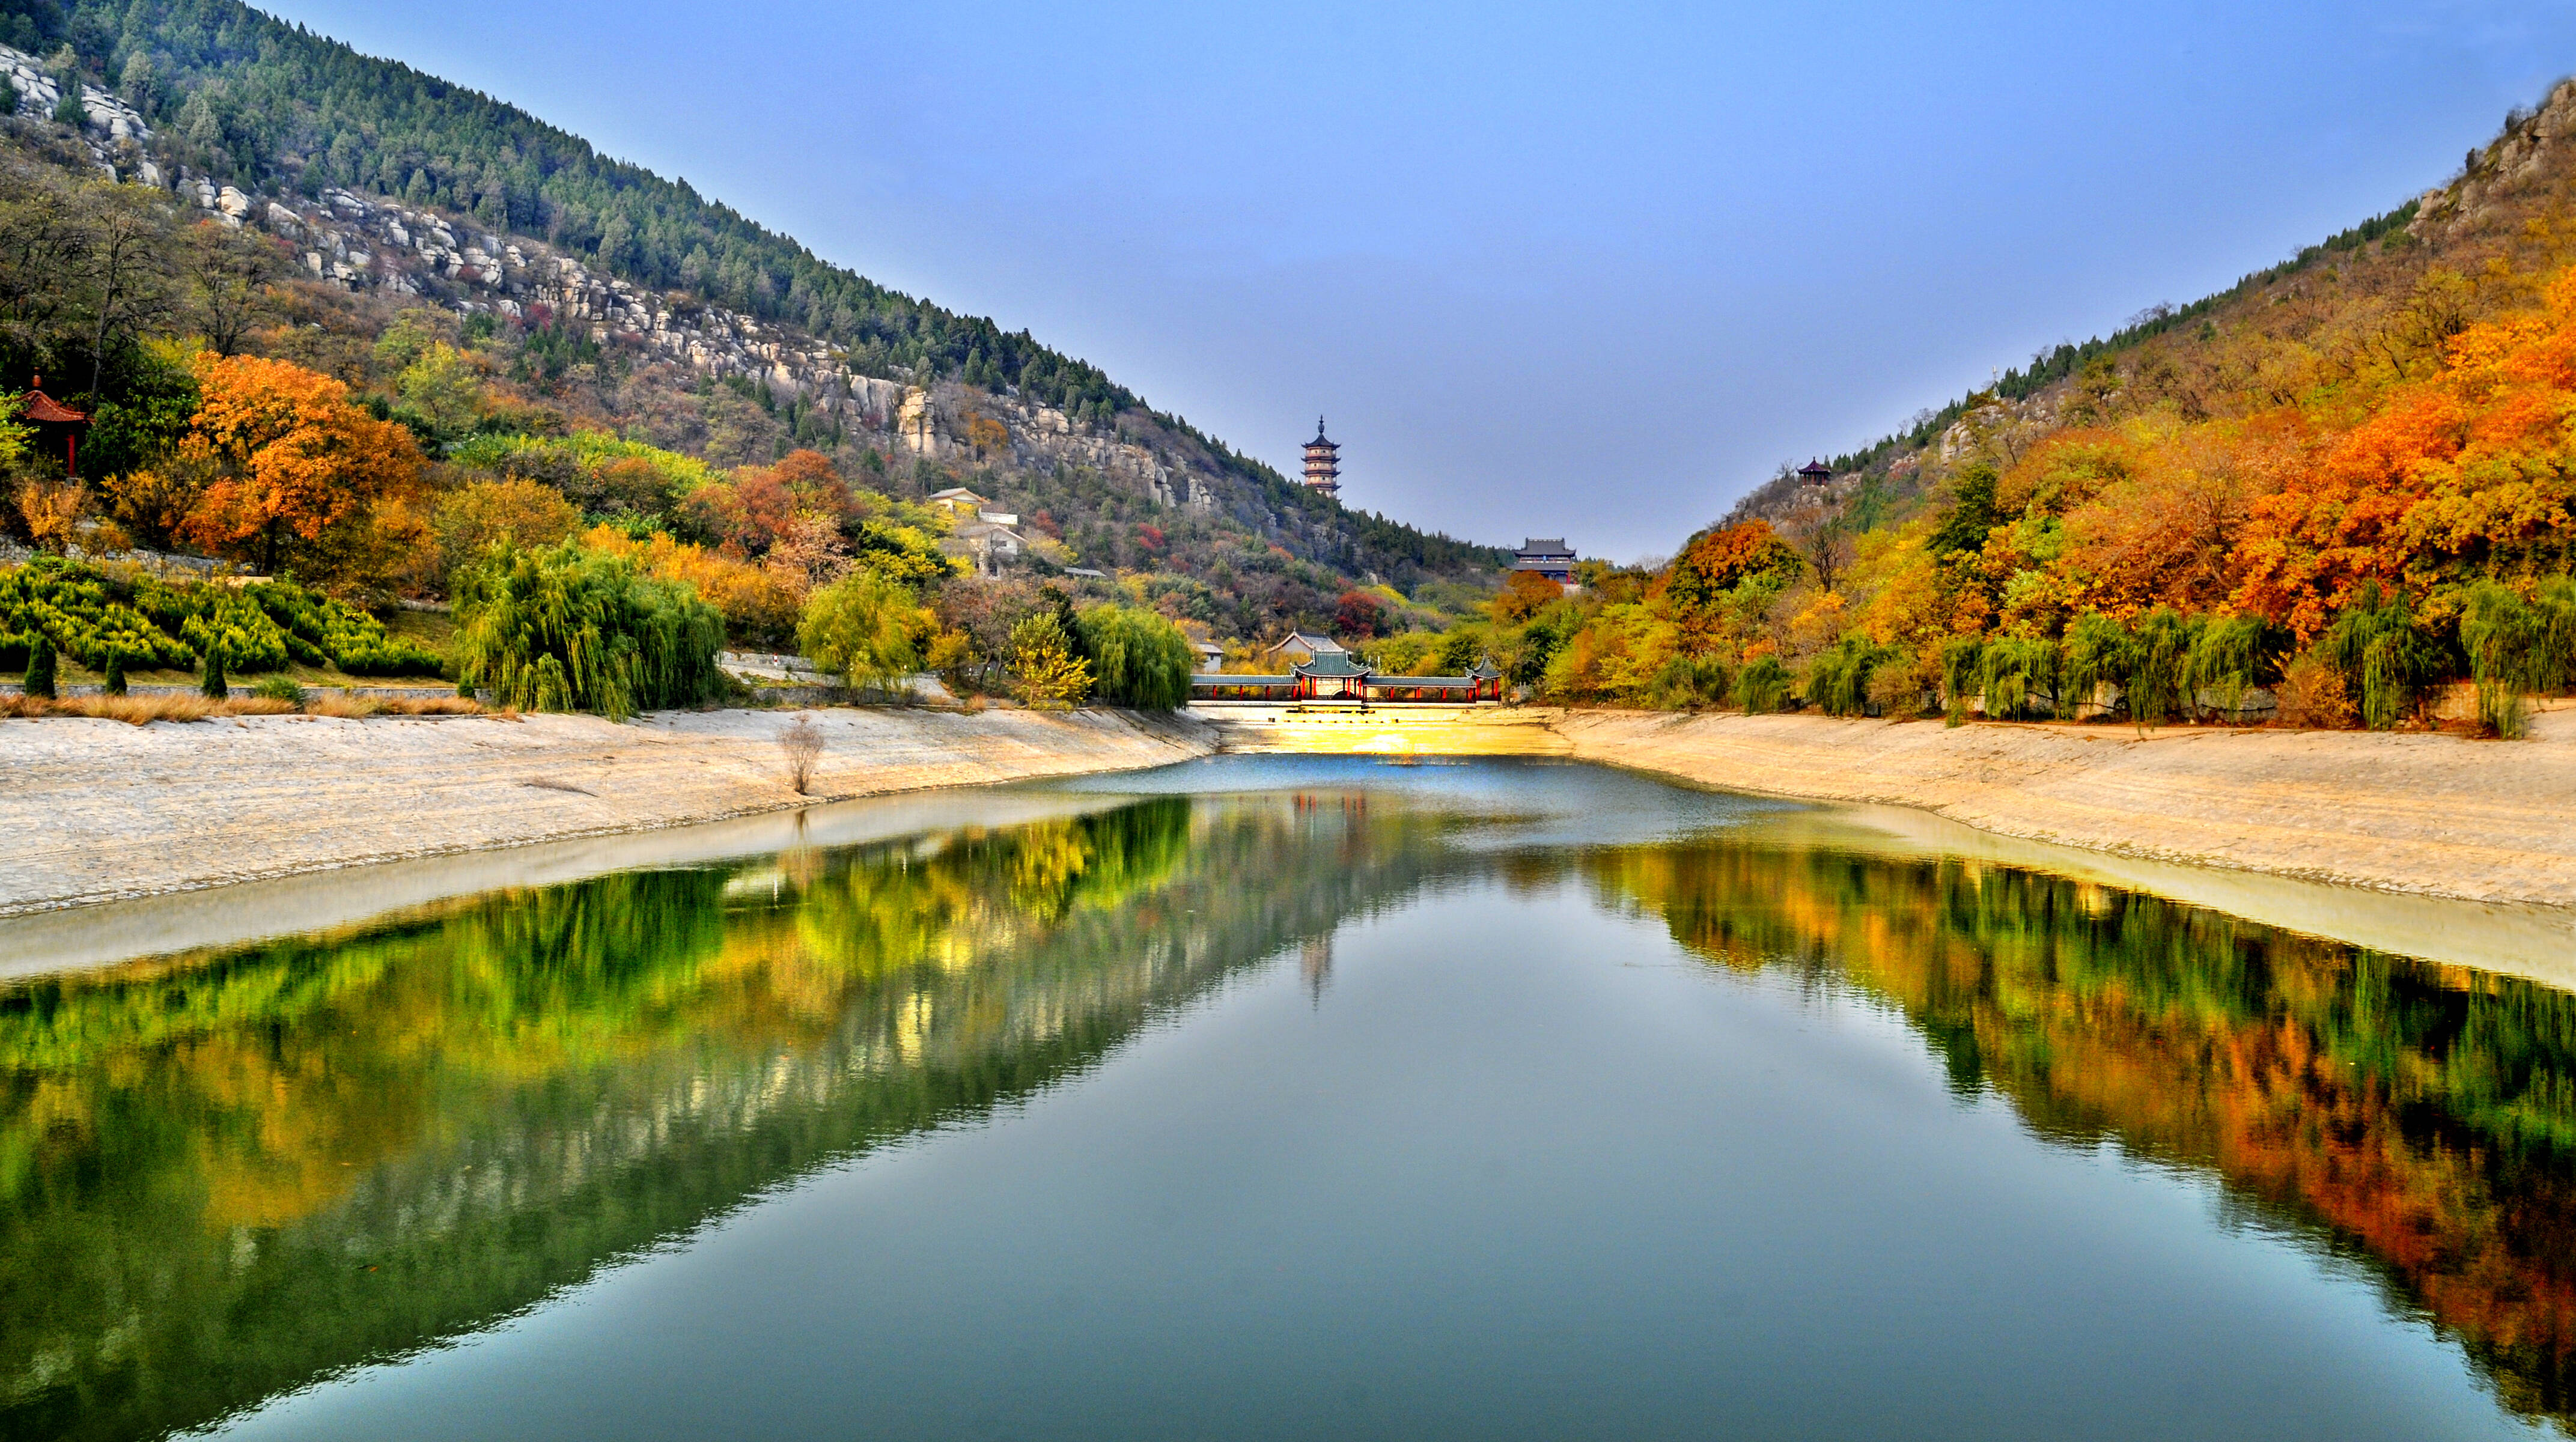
x=1587, y=270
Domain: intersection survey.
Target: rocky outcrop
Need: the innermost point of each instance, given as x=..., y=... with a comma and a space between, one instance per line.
x=39, y=93
x=2532, y=150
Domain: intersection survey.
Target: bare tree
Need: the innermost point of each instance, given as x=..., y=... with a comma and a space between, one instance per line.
x=229, y=272
x=1824, y=538
x=42, y=240
x=802, y=741
x=127, y=269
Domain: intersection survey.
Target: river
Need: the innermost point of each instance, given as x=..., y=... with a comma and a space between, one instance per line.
x=1291, y=1097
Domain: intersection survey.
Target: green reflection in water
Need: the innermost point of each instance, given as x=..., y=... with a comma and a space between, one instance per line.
x=2418, y=1117
x=226, y=1176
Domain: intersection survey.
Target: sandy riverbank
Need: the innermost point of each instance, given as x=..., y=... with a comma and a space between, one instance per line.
x=95, y=811
x=2430, y=815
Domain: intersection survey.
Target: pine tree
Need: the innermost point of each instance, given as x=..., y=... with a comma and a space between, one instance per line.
x=114, y=684
x=40, y=667
x=210, y=678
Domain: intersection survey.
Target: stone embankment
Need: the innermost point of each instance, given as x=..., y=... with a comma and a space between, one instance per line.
x=2432, y=815
x=95, y=811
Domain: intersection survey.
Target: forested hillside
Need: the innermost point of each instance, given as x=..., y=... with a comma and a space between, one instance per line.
x=584, y=296
x=2316, y=498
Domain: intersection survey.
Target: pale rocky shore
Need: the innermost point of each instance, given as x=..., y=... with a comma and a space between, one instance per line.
x=297, y=818
x=2426, y=814
x=94, y=811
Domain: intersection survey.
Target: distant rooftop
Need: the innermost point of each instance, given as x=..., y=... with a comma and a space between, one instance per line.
x=1301, y=641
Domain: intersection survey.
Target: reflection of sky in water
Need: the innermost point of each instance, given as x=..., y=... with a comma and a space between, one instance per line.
x=1294, y=1097
x=1521, y=801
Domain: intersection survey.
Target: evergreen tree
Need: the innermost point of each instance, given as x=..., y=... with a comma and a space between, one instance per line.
x=40, y=667
x=210, y=676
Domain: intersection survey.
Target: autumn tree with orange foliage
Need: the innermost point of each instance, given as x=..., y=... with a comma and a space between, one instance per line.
x=1524, y=594
x=2466, y=473
x=1694, y=590
x=293, y=474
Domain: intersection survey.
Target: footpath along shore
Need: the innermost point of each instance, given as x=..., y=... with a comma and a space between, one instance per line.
x=94, y=810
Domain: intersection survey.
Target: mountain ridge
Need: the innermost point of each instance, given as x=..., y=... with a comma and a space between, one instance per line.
x=287, y=118
x=2417, y=233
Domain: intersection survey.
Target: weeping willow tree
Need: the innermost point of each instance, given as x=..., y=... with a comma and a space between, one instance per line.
x=867, y=629
x=2503, y=639
x=2381, y=654
x=2097, y=655
x=2015, y=672
x=1687, y=683
x=561, y=628
x=1763, y=686
x=2229, y=657
x=2159, y=679
x=1139, y=658
x=1961, y=676
x=1838, y=680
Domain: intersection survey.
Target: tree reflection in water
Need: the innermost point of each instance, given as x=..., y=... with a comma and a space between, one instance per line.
x=2418, y=1116
x=227, y=1175
x=224, y=1176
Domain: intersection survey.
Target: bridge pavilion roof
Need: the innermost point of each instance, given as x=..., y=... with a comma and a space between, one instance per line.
x=1332, y=663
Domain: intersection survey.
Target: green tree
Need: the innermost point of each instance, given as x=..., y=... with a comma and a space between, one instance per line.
x=2381, y=654
x=1764, y=686
x=1687, y=683
x=1838, y=680
x=867, y=630
x=560, y=628
x=1971, y=514
x=2502, y=637
x=228, y=273
x=1043, y=666
x=40, y=667
x=1140, y=659
x=439, y=389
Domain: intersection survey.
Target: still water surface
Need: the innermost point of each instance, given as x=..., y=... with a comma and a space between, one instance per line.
x=1272, y=1097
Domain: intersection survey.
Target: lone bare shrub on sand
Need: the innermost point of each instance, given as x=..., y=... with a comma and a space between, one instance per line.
x=2314, y=698
x=803, y=743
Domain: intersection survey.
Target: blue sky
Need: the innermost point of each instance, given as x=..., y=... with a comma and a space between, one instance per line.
x=1550, y=269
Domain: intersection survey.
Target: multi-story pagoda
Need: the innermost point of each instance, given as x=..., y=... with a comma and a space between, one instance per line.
x=1323, y=463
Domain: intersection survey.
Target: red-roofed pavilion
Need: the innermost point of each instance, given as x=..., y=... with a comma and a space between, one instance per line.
x=57, y=425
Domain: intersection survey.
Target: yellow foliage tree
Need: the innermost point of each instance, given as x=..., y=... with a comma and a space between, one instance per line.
x=469, y=519
x=758, y=603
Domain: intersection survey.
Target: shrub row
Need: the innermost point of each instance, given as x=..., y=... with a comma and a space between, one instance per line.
x=93, y=615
